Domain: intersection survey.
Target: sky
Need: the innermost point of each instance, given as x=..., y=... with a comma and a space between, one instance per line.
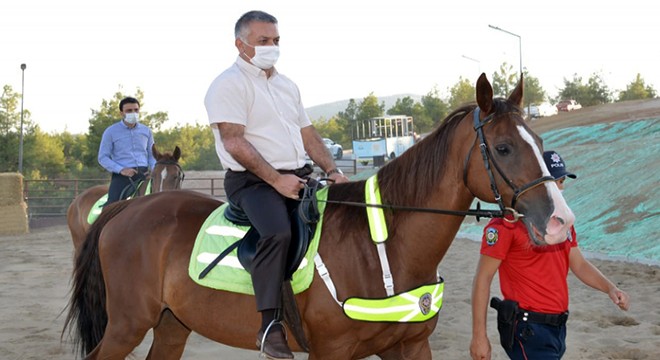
x=80, y=52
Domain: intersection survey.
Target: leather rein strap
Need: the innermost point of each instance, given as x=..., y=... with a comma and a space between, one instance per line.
x=478, y=212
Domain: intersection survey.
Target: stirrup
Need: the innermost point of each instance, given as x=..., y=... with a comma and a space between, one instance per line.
x=263, y=337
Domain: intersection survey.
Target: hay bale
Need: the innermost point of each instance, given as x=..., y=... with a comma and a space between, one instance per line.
x=14, y=219
x=11, y=189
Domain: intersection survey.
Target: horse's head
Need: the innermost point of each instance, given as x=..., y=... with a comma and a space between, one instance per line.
x=507, y=160
x=167, y=174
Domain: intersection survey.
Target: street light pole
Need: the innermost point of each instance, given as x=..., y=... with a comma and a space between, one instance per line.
x=475, y=60
x=20, y=145
x=529, y=105
x=519, y=44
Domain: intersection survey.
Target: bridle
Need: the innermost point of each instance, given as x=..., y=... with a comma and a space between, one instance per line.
x=478, y=212
x=488, y=159
x=180, y=176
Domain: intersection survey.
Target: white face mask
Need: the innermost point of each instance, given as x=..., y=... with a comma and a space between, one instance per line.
x=131, y=118
x=265, y=57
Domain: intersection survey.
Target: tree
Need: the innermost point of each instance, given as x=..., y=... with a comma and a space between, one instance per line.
x=369, y=108
x=461, y=93
x=345, y=120
x=637, y=90
x=332, y=129
x=435, y=108
x=196, y=143
x=505, y=80
x=74, y=148
x=402, y=107
x=43, y=156
x=107, y=115
x=593, y=93
x=533, y=92
x=10, y=129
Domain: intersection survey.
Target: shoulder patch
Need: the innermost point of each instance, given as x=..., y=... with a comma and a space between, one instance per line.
x=491, y=236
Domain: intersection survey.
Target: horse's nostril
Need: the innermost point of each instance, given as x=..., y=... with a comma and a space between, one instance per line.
x=559, y=219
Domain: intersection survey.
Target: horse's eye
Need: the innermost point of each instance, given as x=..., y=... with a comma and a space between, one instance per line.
x=503, y=149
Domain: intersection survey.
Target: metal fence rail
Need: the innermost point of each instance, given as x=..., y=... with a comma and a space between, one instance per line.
x=51, y=198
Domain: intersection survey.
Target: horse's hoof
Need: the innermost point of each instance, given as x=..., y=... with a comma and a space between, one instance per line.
x=274, y=346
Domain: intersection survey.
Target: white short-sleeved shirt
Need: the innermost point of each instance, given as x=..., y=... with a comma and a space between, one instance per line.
x=270, y=109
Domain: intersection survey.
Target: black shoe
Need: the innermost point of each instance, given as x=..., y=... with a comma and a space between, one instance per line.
x=275, y=346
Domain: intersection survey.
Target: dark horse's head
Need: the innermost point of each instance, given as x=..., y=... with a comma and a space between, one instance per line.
x=167, y=174
x=514, y=155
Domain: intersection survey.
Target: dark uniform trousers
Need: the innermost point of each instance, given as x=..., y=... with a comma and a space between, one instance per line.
x=268, y=212
x=123, y=186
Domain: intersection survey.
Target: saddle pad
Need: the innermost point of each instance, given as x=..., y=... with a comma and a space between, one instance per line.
x=217, y=233
x=96, y=209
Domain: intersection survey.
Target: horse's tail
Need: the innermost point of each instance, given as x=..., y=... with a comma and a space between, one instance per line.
x=87, y=304
x=292, y=315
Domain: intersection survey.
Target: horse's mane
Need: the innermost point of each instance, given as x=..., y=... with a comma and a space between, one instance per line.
x=427, y=161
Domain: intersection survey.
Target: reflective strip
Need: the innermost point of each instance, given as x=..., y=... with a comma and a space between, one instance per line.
x=378, y=229
x=376, y=216
x=226, y=231
x=416, y=305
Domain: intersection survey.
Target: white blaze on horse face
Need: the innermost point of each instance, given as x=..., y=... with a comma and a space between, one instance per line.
x=562, y=217
x=163, y=176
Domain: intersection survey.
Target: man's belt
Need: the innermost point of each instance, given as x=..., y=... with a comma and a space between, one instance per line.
x=301, y=172
x=541, y=318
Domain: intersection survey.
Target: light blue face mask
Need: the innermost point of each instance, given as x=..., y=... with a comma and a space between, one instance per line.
x=132, y=118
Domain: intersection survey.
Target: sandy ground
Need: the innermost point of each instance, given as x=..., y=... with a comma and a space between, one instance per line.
x=35, y=278
x=35, y=274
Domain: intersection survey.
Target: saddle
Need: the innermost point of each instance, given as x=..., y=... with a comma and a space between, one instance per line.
x=303, y=224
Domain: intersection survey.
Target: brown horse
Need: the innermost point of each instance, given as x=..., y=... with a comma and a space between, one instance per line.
x=167, y=175
x=132, y=274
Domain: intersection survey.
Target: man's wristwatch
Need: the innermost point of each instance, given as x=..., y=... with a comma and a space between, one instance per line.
x=334, y=171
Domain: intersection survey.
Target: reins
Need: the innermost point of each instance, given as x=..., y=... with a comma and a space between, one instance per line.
x=478, y=213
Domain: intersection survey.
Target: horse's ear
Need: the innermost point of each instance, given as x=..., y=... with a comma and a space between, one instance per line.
x=177, y=153
x=484, y=94
x=516, y=96
x=155, y=152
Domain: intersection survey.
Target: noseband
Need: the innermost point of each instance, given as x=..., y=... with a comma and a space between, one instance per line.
x=488, y=159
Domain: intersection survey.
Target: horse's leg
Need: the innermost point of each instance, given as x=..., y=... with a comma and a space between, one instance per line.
x=170, y=338
x=118, y=342
x=418, y=350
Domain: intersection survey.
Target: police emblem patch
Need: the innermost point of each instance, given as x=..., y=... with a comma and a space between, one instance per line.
x=491, y=236
x=425, y=303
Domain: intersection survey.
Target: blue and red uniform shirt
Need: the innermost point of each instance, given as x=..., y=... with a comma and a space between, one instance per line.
x=532, y=275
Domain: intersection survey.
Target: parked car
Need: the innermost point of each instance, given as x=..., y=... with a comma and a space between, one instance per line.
x=547, y=109
x=533, y=112
x=335, y=149
x=568, y=105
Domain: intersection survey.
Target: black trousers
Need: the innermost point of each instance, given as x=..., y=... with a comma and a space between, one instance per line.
x=268, y=211
x=123, y=186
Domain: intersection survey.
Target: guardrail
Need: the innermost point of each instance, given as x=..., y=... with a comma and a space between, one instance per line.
x=51, y=198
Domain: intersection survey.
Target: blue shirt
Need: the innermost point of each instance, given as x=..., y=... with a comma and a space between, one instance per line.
x=124, y=147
